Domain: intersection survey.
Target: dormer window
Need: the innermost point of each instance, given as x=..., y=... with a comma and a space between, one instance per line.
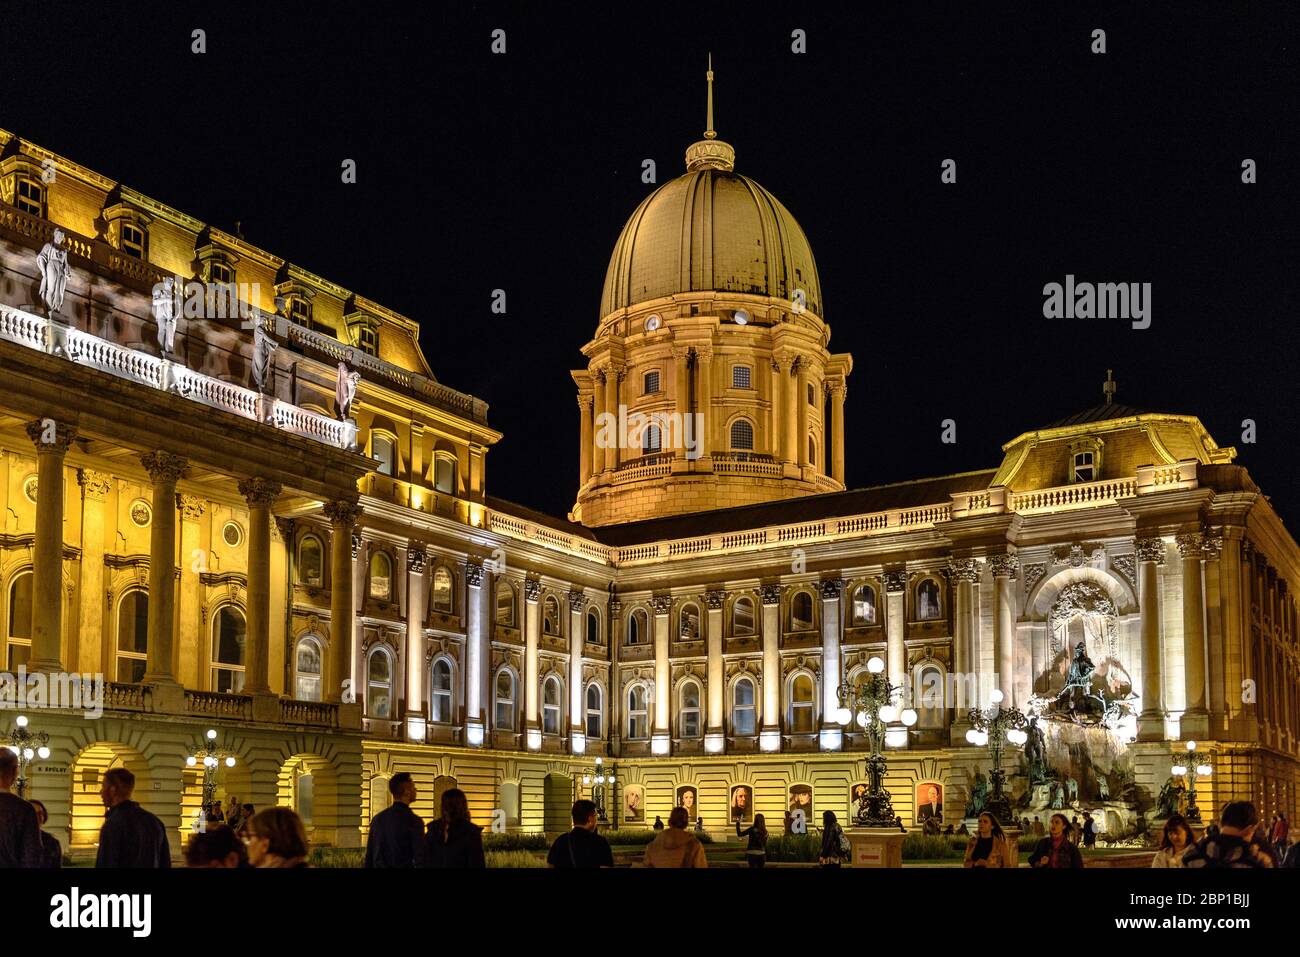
x=220, y=272
x=133, y=240
x=300, y=310
x=30, y=196
x=1085, y=460
x=368, y=340
x=1084, y=468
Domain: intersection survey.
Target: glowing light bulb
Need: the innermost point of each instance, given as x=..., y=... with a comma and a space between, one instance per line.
x=909, y=717
x=586, y=779
x=888, y=713
x=230, y=762
x=21, y=720
x=212, y=734
x=875, y=665
x=862, y=719
x=1178, y=770
x=44, y=753
x=996, y=696
x=191, y=761
x=843, y=715
x=1203, y=770
x=1191, y=745
x=28, y=753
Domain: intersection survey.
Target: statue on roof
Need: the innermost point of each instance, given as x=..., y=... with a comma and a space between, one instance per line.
x=52, y=263
x=345, y=391
x=164, y=314
x=264, y=347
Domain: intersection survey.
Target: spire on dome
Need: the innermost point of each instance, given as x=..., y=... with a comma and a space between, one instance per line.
x=710, y=152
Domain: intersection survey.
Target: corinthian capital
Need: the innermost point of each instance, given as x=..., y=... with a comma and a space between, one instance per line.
x=1004, y=566
x=51, y=436
x=164, y=468
x=260, y=491
x=94, y=485
x=191, y=507
x=1151, y=550
x=474, y=574
x=1190, y=545
x=964, y=570
x=343, y=512
x=895, y=581
x=771, y=594
x=831, y=588
x=577, y=600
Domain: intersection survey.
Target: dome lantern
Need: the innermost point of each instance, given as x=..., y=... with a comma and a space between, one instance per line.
x=710, y=152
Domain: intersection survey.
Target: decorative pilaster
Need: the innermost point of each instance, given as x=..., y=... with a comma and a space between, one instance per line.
x=93, y=654
x=165, y=470
x=577, y=635
x=190, y=656
x=343, y=515
x=1151, y=722
x=260, y=494
x=1004, y=568
x=714, y=734
x=1196, y=719
x=52, y=440
x=895, y=619
x=585, y=403
x=832, y=735
x=532, y=676
x=965, y=575
x=417, y=600
x=839, y=392
x=476, y=656
x=770, y=733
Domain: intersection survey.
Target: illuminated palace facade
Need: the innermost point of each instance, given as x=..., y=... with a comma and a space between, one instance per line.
x=341, y=599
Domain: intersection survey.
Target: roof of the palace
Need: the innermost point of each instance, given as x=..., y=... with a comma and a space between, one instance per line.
x=930, y=491
x=1098, y=413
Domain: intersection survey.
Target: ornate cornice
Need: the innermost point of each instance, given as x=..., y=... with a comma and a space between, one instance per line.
x=895, y=581
x=260, y=492
x=1151, y=550
x=51, y=436
x=164, y=468
x=94, y=485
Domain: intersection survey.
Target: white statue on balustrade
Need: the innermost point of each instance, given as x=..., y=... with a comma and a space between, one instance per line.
x=263, y=349
x=345, y=391
x=165, y=310
x=52, y=262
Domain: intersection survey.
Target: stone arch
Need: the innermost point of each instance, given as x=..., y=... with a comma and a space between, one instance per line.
x=86, y=775
x=1039, y=602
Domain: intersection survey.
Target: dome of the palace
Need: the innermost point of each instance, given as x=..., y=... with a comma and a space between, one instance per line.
x=710, y=230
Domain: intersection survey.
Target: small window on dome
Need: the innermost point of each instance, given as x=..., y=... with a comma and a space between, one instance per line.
x=651, y=382
x=740, y=377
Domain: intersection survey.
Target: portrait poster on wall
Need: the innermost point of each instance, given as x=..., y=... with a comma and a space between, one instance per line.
x=633, y=804
x=742, y=803
x=801, y=804
x=929, y=802
x=687, y=797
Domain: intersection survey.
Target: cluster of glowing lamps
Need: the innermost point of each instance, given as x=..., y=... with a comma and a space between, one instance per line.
x=28, y=745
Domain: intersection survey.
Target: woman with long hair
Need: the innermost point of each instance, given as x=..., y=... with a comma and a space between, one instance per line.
x=835, y=849
x=988, y=846
x=756, y=849
x=1175, y=839
x=276, y=838
x=453, y=840
x=1056, y=850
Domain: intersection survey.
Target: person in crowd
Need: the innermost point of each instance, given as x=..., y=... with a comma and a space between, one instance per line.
x=835, y=845
x=963, y=831
x=242, y=831
x=396, y=833
x=947, y=831
x=1233, y=846
x=219, y=847
x=277, y=838
x=1056, y=850
x=20, y=828
x=1174, y=842
x=1292, y=858
x=898, y=823
x=234, y=810
x=1075, y=830
x=1026, y=827
x=989, y=846
x=215, y=816
x=1039, y=830
x=131, y=836
x=453, y=840
x=581, y=847
x=675, y=846
x=756, y=848
x=659, y=823
x=1089, y=830
x=1281, y=835
x=51, y=849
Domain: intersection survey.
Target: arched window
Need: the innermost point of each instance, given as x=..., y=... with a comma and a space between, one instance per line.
x=689, y=709
x=383, y=449
x=307, y=669
x=552, y=695
x=743, y=716
x=864, y=606
x=595, y=711
x=505, y=604
x=379, y=684
x=132, y=636
x=440, y=591
x=550, y=616
x=638, y=723
x=505, y=700
x=444, y=474
x=742, y=617
x=593, y=627
x=930, y=701
x=638, y=627
x=20, y=621
x=802, y=705
x=440, y=695
x=381, y=576
x=229, y=634
x=311, y=561
x=927, y=600
x=742, y=435
x=801, y=612
x=688, y=625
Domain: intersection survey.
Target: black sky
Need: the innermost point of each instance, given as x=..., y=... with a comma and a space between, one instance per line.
x=478, y=171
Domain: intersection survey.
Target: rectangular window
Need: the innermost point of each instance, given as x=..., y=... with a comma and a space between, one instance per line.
x=30, y=197
x=133, y=241
x=1084, y=471
x=740, y=377
x=651, y=382
x=368, y=340
x=220, y=272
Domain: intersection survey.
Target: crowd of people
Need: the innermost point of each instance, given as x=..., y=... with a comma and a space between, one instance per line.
x=240, y=836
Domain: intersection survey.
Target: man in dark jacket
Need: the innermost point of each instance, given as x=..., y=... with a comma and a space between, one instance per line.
x=20, y=830
x=131, y=836
x=397, y=833
x=1234, y=845
x=582, y=847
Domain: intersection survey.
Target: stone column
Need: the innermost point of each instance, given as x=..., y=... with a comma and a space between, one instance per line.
x=839, y=392
x=52, y=440
x=586, y=442
x=476, y=655
x=93, y=656
x=599, y=399
x=662, y=732
x=682, y=404
x=417, y=595
x=532, y=678
x=612, y=452
x=1004, y=627
x=703, y=436
x=770, y=733
x=417, y=453
x=1216, y=657
x=1195, y=722
x=190, y=651
x=966, y=576
x=343, y=516
x=165, y=470
x=832, y=735
x=780, y=378
x=801, y=418
x=715, y=732
x=1151, y=722
x=577, y=703
x=615, y=702
x=793, y=440
x=260, y=494
x=895, y=625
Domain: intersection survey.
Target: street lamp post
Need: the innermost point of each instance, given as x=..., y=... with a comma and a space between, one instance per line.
x=995, y=726
x=1197, y=766
x=212, y=756
x=28, y=745
x=872, y=705
x=599, y=778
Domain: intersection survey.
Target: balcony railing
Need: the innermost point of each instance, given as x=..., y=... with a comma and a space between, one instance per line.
x=36, y=332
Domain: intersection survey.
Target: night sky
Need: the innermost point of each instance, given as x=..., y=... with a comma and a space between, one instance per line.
x=479, y=171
